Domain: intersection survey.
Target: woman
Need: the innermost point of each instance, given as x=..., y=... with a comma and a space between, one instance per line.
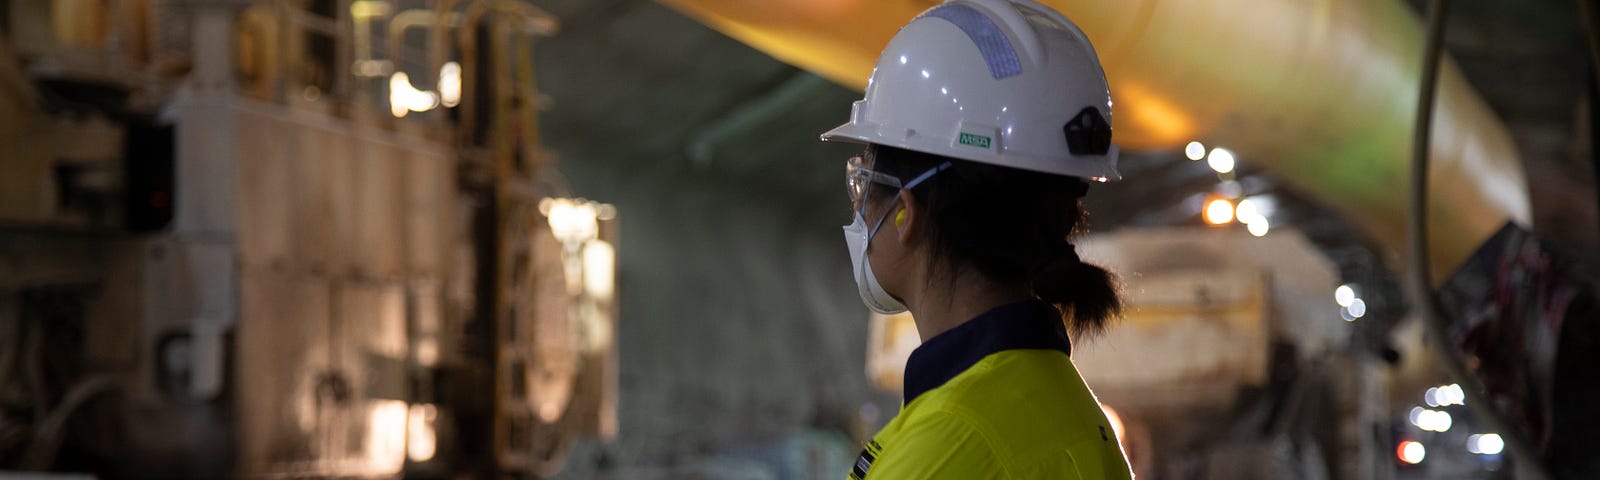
x=982, y=121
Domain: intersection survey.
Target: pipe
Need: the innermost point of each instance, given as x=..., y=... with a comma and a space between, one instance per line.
x=1426, y=304
x=703, y=145
x=534, y=22
x=395, y=41
x=1316, y=91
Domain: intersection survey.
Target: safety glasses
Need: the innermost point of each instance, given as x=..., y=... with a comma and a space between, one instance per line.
x=859, y=177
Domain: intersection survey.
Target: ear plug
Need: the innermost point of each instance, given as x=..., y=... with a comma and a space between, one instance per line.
x=900, y=218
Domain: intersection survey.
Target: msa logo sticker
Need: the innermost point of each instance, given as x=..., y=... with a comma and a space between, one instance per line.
x=974, y=140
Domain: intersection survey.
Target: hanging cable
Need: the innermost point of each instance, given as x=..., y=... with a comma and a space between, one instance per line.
x=48, y=434
x=1421, y=285
x=1589, y=12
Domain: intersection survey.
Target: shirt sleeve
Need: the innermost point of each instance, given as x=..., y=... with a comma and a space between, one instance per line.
x=940, y=446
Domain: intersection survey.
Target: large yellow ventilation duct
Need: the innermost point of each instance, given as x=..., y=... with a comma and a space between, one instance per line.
x=1320, y=92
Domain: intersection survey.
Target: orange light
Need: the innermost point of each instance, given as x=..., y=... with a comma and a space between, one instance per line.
x=1153, y=118
x=1116, y=420
x=1116, y=427
x=1410, y=452
x=1219, y=211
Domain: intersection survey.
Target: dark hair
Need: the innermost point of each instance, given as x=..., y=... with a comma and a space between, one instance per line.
x=1012, y=226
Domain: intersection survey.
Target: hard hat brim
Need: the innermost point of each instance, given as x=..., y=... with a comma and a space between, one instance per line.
x=865, y=134
x=850, y=133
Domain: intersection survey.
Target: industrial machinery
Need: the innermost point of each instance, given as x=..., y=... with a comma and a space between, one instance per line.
x=1249, y=357
x=1232, y=360
x=291, y=238
x=1215, y=370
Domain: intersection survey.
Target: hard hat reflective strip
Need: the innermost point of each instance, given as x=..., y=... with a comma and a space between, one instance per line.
x=991, y=41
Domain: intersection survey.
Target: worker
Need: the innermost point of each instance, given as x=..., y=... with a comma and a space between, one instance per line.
x=984, y=123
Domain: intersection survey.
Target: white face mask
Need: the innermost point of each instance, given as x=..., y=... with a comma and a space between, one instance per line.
x=856, y=238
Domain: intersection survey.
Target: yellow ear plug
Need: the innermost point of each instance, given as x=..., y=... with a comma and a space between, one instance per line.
x=900, y=218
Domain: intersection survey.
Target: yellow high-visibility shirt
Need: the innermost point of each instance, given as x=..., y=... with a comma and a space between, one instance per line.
x=996, y=398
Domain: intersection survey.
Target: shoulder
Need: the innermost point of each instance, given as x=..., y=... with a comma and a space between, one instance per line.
x=1026, y=386
x=943, y=444
x=938, y=443
x=1033, y=412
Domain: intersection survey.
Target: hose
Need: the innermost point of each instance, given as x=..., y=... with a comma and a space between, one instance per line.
x=47, y=438
x=1427, y=304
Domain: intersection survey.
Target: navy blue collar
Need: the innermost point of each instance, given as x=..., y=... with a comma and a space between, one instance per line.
x=1025, y=325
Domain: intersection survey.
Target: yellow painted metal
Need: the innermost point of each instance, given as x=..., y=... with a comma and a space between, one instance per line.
x=1320, y=92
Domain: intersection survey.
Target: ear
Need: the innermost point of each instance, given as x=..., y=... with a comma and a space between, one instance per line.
x=913, y=217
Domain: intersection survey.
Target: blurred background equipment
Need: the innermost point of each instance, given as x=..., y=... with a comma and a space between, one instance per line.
x=294, y=238
x=1251, y=359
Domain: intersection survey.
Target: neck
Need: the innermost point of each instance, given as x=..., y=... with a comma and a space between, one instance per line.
x=942, y=305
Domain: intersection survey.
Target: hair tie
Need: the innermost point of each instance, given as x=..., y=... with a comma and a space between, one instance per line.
x=1064, y=256
x=1068, y=253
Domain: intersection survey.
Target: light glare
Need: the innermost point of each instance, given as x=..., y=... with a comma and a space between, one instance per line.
x=1411, y=452
x=599, y=269
x=423, y=440
x=386, y=435
x=1219, y=211
x=1248, y=210
x=1344, y=295
x=1447, y=395
x=1259, y=227
x=1221, y=160
x=450, y=84
x=1195, y=151
x=405, y=98
x=573, y=222
x=1432, y=420
x=1358, y=308
x=1486, y=444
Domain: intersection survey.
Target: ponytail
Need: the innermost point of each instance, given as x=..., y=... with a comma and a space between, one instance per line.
x=1086, y=294
x=1013, y=226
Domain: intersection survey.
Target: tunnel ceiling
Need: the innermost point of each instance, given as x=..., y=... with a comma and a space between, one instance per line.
x=633, y=85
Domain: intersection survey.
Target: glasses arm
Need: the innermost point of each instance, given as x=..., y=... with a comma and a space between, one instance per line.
x=928, y=174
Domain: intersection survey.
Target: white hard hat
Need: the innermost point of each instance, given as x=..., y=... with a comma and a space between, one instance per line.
x=1009, y=83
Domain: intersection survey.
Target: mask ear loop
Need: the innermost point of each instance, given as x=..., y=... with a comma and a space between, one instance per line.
x=908, y=185
x=875, y=226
